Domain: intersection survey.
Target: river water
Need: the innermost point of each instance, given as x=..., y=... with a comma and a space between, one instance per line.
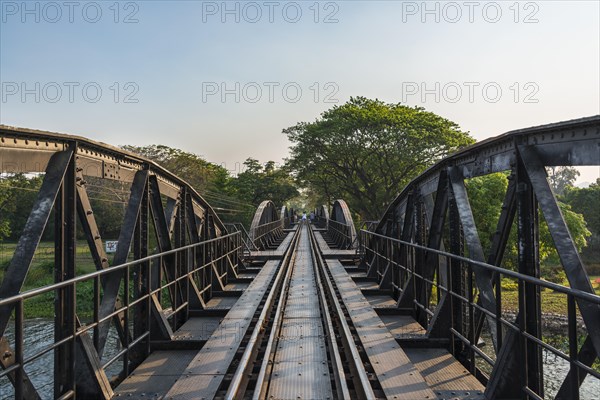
x=39, y=333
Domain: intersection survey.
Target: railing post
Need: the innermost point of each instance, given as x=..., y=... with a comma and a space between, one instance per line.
x=142, y=283
x=529, y=295
x=19, y=373
x=574, y=380
x=181, y=265
x=420, y=238
x=456, y=274
x=65, y=214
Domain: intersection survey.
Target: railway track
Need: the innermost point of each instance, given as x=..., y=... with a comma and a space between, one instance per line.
x=300, y=347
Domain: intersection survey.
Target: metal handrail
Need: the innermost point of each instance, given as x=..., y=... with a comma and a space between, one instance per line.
x=59, y=285
x=266, y=233
x=340, y=233
x=526, y=278
x=204, y=255
x=239, y=227
x=382, y=248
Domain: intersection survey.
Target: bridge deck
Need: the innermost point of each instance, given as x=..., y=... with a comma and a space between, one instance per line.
x=300, y=367
x=329, y=253
x=273, y=254
x=398, y=376
x=447, y=377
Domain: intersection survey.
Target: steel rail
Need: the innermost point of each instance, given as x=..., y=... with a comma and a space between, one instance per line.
x=261, y=387
x=336, y=360
x=364, y=388
x=239, y=380
x=338, y=369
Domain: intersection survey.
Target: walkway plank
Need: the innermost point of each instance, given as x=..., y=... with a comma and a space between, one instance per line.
x=399, y=378
x=446, y=376
x=155, y=376
x=403, y=326
x=204, y=374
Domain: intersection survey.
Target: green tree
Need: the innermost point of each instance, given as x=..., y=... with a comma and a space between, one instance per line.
x=486, y=195
x=257, y=183
x=587, y=202
x=20, y=192
x=4, y=206
x=108, y=199
x=366, y=151
x=212, y=181
x=199, y=173
x=234, y=198
x=560, y=178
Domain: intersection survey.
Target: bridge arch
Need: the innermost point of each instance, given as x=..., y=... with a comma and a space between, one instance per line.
x=340, y=225
x=267, y=224
x=322, y=216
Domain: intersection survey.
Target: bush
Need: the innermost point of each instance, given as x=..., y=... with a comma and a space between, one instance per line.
x=554, y=273
x=509, y=285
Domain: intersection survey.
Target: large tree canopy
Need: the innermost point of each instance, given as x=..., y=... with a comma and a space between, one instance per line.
x=235, y=198
x=201, y=174
x=587, y=202
x=263, y=182
x=561, y=178
x=366, y=151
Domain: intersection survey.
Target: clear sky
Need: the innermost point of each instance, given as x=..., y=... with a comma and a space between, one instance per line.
x=223, y=79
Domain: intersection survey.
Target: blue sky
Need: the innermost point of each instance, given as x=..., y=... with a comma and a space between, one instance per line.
x=223, y=79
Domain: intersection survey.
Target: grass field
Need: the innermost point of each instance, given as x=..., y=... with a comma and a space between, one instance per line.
x=41, y=273
x=552, y=302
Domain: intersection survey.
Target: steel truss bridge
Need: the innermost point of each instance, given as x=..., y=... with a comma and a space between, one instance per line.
x=188, y=307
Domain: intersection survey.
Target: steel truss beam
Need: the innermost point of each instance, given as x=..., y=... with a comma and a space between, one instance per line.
x=14, y=277
x=525, y=153
x=67, y=161
x=567, y=251
x=483, y=278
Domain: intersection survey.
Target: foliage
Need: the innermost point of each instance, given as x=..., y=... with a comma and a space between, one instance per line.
x=4, y=205
x=486, y=195
x=108, y=200
x=586, y=201
x=17, y=195
x=577, y=227
x=259, y=182
x=199, y=173
x=366, y=151
x=561, y=178
x=554, y=273
x=509, y=285
x=234, y=198
x=4, y=264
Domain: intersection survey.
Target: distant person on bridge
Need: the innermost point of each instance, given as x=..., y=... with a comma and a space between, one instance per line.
x=312, y=217
x=304, y=216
